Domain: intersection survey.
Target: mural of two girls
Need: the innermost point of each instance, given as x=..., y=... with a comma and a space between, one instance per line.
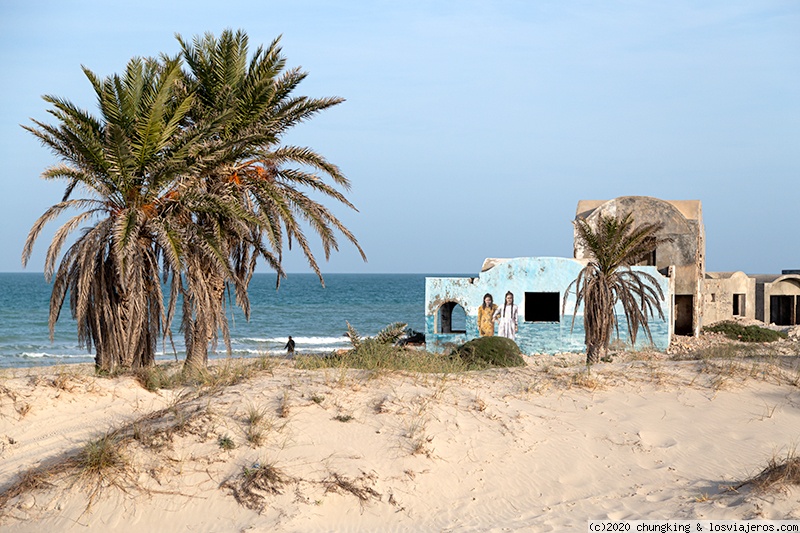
x=506, y=316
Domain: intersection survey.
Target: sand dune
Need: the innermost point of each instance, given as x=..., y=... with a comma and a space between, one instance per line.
x=540, y=448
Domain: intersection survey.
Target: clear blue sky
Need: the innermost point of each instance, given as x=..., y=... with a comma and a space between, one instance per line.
x=471, y=128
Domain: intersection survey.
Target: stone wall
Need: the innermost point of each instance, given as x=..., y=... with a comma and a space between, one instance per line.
x=535, y=279
x=726, y=292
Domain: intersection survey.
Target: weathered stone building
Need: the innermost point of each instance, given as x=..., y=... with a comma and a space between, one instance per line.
x=727, y=295
x=685, y=252
x=778, y=298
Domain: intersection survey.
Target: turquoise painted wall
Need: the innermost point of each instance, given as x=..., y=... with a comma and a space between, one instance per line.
x=529, y=274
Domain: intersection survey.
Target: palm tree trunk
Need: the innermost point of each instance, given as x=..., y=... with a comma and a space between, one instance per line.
x=595, y=352
x=205, y=324
x=197, y=350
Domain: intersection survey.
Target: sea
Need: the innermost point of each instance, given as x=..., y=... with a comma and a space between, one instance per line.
x=315, y=316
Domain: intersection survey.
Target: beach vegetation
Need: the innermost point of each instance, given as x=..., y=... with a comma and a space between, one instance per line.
x=751, y=333
x=381, y=352
x=283, y=404
x=182, y=180
x=226, y=442
x=485, y=352
x=385, y=351
x=255, y=434
x=255, y=415
x=779, y=474
x=360, y=487
x=255, y=183
x=383, y=357
x=615, y=245
x=157, y=377
x=317, y=398
x=255, y=483
x=101, y=455
x=119, y=167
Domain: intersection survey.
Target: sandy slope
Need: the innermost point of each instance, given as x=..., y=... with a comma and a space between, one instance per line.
x=540, y=448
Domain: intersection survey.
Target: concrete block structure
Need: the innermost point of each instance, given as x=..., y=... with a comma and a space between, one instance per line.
x=538, y=285
x=727, y=295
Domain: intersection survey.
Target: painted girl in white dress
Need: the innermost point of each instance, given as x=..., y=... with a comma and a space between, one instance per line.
x=507, y=315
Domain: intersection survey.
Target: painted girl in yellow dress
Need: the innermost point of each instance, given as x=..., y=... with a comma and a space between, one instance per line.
x=486, y=316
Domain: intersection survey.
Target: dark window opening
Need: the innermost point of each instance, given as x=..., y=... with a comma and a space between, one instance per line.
x=452, y=318
x=738, y=305
x=783, y=310
x=542, y=307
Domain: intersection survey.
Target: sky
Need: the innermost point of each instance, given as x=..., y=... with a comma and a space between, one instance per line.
x=471, y=129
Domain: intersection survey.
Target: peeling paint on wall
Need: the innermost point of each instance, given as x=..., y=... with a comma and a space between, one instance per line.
x=532, y=280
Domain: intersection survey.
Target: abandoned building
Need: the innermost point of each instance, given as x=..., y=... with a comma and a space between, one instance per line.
x=538, y=285
x=685, y=251
x=727, y=295
x=778, y=298
x=692, y=296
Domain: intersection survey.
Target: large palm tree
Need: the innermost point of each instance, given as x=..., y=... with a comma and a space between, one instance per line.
x=120, y=168
x=257, y=193
x=614, y=245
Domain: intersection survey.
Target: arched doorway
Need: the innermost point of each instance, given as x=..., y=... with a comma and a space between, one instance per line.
x=452, y=318
x=784, y=302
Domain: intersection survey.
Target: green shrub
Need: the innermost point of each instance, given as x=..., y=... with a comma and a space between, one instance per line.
x=490, y=351
x=372, y=355
x=735, y=331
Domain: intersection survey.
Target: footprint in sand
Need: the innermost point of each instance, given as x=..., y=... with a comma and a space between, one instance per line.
x=655, y=439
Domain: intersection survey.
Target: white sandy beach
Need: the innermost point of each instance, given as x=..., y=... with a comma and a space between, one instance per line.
x=539, y=448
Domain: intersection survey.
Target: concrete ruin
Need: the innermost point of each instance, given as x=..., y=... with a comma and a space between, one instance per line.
x=700, y=297
x=692, y=296
x=727, y=295
x=778, y=298
x=685, y=251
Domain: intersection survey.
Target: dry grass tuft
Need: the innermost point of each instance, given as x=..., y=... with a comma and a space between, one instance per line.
x=283, y=404
x=418, y=440
x=359, y=487
x=258, y=425
x=777, y=476
x=28, y=481
x=100, y=457
x=255, y=415
x=98, y=465
x=583, y=379
x=256, y=483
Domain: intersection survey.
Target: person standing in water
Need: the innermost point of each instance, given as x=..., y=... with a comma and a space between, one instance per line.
x=508, y=318
x=486, y=316
x=290, y=346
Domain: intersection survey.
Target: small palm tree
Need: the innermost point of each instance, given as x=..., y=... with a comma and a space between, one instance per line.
x=614, y=245
x=123, y=165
